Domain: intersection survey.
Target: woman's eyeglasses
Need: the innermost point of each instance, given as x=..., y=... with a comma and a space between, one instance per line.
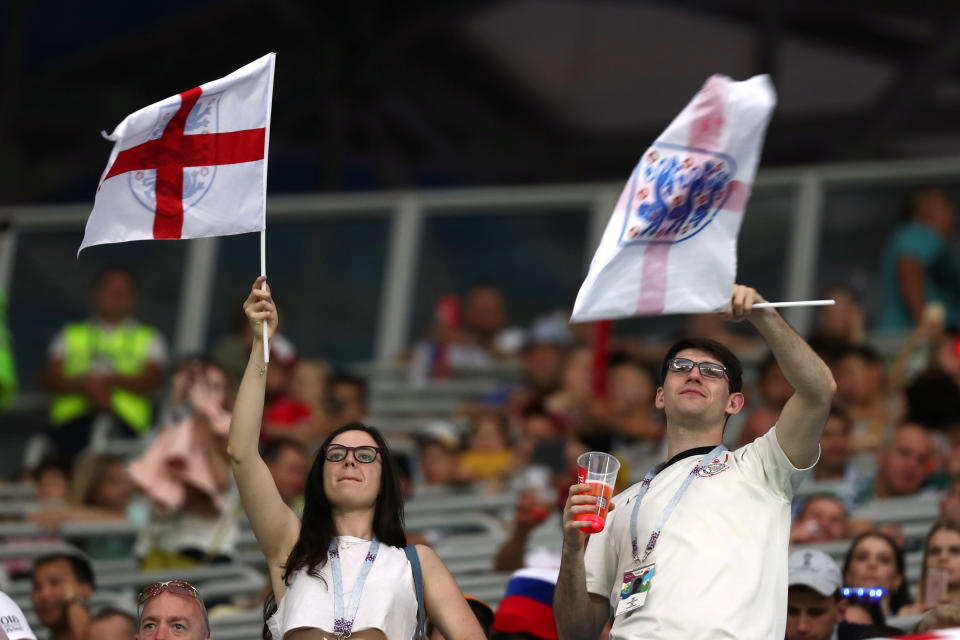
x=707, y=369
x=364, y=453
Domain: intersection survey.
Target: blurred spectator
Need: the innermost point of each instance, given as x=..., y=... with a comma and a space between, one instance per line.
x=526, y=610
x=485, y=318
x=944, y=616
x=934, y=395
x=574, y=404
x=62, y=584
x=112, y=623
x=348, y=400
x=12, y=621
x=52, y=478
x=481, y=610
x=448, y=348
x=814, y=603
x=631, y=390
x=439, y=452
x=824, y=518
x=918, y=266
x=834, y=446
x=842, y=322
x=8, y=372
x=186, y=476
x=874, y=560
x=543, y=356
x=863, y=612
x=862, y=389
x=488, y=456
x=536, y=427
x=950, y=503
x=775, y=390
x=535, y=501
x=107, y=366
x=232, y=351
x=288, y=464
x=940, y=571
x=101, y=490
x=902, y=464
x=302, y=413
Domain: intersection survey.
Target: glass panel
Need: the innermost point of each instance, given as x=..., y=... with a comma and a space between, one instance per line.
x=52, y=287
x=326, y=275
x=858, y=221
x=536, y=259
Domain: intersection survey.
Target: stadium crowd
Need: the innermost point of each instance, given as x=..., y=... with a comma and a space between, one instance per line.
x=138, y=443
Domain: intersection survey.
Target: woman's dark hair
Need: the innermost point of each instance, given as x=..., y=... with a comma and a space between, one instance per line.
x=901, y=596
x=715, y=349
x=317, y=528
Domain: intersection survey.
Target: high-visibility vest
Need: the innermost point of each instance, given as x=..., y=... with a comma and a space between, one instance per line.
x=8, y=373
x=126, y=347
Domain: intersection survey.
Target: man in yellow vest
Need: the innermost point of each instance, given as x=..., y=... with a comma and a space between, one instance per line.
x=109, y=365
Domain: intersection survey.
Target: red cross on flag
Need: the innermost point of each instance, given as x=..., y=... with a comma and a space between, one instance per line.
x=190, y=166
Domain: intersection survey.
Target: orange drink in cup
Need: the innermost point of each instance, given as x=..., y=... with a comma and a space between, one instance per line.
x=599, y=470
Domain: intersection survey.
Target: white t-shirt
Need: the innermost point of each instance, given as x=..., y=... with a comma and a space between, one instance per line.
x=13, y=624
x=388, y=601
x=721, y=559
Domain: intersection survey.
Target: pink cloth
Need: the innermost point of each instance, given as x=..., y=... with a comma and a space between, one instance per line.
x=177, y=460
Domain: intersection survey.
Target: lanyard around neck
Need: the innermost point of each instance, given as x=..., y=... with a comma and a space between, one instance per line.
x=343, y=624
x=645, y=485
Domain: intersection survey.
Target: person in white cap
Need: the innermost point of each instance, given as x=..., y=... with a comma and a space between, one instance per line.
x=814, y=603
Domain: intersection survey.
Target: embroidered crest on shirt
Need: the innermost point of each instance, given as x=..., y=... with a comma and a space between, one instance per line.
x=715, y=467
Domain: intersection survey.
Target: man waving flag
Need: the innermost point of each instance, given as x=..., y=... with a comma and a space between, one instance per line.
x=671, y=243
x=190, y=166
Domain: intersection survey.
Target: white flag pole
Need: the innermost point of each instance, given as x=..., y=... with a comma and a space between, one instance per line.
x=797, y=303
x=263, y=232
x=263, y=274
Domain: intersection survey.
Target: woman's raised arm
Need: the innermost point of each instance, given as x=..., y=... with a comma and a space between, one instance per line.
x=274, y=523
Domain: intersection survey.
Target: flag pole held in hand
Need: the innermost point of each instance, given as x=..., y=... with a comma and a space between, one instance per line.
x=795, y=303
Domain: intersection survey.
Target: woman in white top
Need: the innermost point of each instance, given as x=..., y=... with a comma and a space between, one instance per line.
x=342, y=572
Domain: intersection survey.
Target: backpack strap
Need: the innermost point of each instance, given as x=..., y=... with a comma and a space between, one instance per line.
x=414, y=560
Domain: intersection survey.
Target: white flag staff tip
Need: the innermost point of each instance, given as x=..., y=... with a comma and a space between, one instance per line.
x=263, y=287
x=795, y=303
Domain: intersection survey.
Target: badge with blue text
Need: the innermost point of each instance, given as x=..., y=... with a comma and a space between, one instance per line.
x=633, y=591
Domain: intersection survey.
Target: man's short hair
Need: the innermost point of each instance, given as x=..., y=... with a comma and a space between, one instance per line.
x=715, y=349
x=115, y=270
x=80, y=566
x=109, y=612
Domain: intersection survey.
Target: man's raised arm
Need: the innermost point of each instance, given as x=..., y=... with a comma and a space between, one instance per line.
x=801, y=421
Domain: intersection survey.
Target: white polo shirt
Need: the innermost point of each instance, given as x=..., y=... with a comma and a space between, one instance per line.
x=13, y=624
x=721, y=560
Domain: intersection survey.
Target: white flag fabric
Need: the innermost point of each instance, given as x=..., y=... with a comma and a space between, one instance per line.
x=671, y=243
x=190, y=166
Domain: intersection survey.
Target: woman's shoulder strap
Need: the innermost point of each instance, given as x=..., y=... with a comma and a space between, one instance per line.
x=414, y=559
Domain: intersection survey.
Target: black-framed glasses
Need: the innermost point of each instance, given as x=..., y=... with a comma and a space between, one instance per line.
x=364, y=453
x=707, y=369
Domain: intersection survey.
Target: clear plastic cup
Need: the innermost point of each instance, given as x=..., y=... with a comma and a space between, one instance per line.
x=599, y=470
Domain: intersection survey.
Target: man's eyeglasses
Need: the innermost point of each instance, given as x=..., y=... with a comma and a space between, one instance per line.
x=707, y=369
x=364, y=453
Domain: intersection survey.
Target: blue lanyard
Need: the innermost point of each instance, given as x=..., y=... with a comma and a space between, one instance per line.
x=343, y=625
x=645, y=485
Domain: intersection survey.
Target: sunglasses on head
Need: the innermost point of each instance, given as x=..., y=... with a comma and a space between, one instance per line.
x=176, y=587
x=364, y=453
x=707, y=369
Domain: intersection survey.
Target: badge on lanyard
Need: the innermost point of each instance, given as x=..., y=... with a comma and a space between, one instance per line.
x=633, y=591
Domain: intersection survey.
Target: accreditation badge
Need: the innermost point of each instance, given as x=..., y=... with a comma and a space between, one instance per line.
x=633, y=591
